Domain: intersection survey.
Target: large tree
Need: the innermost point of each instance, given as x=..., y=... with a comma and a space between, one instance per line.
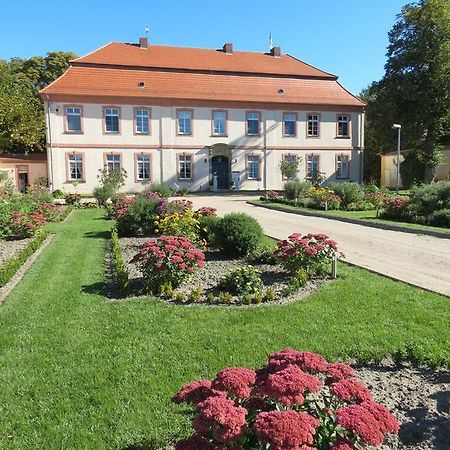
x=22, y=122
x=415, y=90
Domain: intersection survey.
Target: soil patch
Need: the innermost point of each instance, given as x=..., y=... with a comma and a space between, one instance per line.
x=11, y=248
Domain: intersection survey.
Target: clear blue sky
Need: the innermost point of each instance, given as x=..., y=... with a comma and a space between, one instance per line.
x=345, y=37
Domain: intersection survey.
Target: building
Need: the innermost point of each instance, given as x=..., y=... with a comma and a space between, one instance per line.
x=199, y=118
x=24, y=169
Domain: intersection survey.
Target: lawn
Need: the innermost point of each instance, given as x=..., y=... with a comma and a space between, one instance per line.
x=370, y=217
x=79, y=371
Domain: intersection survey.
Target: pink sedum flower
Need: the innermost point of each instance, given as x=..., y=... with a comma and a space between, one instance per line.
x=343, y=444
x=235, y=381
x=196, y=392
x=351, y=389
x=307, y=361
x=338, y=371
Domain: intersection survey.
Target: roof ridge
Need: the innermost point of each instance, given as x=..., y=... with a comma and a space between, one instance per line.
x=310, y=65
x=353, y=95
x=57, y=79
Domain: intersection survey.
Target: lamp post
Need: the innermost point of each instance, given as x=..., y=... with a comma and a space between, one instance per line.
x=398, y=127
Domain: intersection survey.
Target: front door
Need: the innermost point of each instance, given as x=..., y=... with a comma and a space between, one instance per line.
x=221, y=170
x=23, y=182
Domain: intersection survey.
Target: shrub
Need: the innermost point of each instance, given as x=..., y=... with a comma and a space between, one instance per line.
x=428, y=198
x=238, y=234
x=310, y=252
x=119, y=267
x=289, y=166
x=103, y=193
x=6, y=184
x=297, y=281
x=323, y=198
x=51, y=212
x=297, y=401
x=179, y=206
x=441, y=218
x=73, y=199
x=295, y=189
x=163, y=189
x=243, y=280
x=207, y=228
x=167, y=260
x=395, y=209
x=136, y=216
x=207, y=211
x=375, y=198
x=23, y=225
x=360, y=206
x=348, y=192
x=179, y=224
x=110, y=182
x=57, y=193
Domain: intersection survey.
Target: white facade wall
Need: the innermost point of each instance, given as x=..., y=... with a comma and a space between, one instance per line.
x=164, y=145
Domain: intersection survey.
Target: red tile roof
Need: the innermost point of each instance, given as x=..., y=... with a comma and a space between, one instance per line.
x=174, y=74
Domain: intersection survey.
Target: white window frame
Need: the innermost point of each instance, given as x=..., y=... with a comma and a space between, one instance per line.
x=185, y=162
x=312, y=125
x=310, y=165
x=343, y=119
x=75, y=162
x=340, y=167
x=70, y=112
x=253, y=116
x=183, y=121
x=216, y=130
x=253, y=164
x=294, y=121
x=142, y=160
x=140, y=116
x=115, y=164
x=113, y=113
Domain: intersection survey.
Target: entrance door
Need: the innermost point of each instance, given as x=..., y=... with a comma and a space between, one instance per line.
x=23, y=182
x=220, y=168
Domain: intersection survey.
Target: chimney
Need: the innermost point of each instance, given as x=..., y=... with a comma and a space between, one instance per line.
x=276, y=52
x=228, y=48
x=143, y=42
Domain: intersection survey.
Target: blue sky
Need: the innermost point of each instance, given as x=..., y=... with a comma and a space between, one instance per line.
x=345, y=37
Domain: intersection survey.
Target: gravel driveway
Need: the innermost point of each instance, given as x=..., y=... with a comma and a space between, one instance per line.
x=417, y=259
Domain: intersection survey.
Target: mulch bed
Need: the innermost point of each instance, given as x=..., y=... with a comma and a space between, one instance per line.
x=216, y=265
x=11, y=248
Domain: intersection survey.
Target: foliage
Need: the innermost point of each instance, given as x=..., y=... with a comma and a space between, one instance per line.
x=23, y=225
x=297, y=281
x=428, y=198
x=348, y=192
x=207, y=228
x=312, y=252
x=10, y=267
x=441, y=218
x=58, y=194
x=289, y=167
x=167, y=260
x=295, y=189
x=179, y=224
x=73, y=199
x=395, y=209
x=163, y=189
x=136, y=215
x=6, y=184
x=298, y=400
x=324, y=198
x=412, y=170
x=207, y=211
x=238, y=234
x=110, y=182
x=242, y=280
x=51, y=212
x=118, y=264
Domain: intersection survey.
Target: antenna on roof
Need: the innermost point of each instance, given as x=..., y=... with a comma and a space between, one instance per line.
x=270, y=42
x=146, y=30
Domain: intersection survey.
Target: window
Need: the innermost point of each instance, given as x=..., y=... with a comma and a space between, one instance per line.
x=219, y=123
x=312, y=167
x=142, y=121
x=111, y=120
x=143, y=166
x=73, y=117
x=75, y=167
x=185, y=167
x=313, y=125
x=290, y=159
x=112, y=163
x=289, y=124
x=253, y=167
x=253, y=123
x=184, y=122
x=343, y=126
x=342, y=166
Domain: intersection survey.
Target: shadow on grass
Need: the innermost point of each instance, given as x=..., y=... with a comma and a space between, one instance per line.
x=98, y=288
x=98, y=234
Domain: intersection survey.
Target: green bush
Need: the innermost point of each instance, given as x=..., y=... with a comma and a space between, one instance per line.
x=118, y=264
x=139, y=218
x=348, y=192
x=428, y=198
x=163, y=189
x=241, y=281
x=441, y=218
x=295, y=189
x=208, y=226
x=57, y=193
x=238, y=234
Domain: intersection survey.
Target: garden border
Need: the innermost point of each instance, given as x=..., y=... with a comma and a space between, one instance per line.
x=354, y=221
x=15, y=268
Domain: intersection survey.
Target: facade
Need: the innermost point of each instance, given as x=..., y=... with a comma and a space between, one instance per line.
x=24, y=169
x=198, y=118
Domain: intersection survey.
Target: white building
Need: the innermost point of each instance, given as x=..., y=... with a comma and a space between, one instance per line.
x=183, y=115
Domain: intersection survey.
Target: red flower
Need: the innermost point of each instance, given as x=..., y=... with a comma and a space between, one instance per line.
x=196, y=392
x=338, y=371
x=307, y=361
x=289, y=385
x=387, y=421
x=235, y=381
x=351, y=389
x=221, y=417
x=285, y=430
x=343, y=444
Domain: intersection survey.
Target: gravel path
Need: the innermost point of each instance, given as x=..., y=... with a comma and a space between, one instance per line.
x=417, y=259
x=9, y=249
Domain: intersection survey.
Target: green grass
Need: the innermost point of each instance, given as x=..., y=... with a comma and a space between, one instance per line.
x=369, y=216
x=81, y=372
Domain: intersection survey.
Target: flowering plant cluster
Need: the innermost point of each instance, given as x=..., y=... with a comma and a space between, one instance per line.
x=243, y=280
x=324, y=198
x=51, y=212
x=180, y=206
x=207, y=211
x=72, y=199
x=310, y=252
x=298, y=401
x=23, y=225
x=395, y=208
x=168, y=260
x=272, y=195
x=375, y=198
x=184, y=223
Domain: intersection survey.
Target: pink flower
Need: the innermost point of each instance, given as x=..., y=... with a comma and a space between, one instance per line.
x=387, y=421
x=343, y=444
x=235, y=381
x=220, y=417
x=196, y=392
x=285, y=430
x=307, y=361
x=351, y=389
x=337, y=371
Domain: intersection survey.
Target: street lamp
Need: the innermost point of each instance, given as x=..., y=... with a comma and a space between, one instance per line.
x=398, y=127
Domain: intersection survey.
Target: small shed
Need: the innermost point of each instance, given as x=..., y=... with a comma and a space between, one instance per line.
x=24, y=169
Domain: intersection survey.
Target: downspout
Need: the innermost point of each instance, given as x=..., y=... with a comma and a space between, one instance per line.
x=50, y=153
x=361, y=146
x=265, y=153
x=161, y=163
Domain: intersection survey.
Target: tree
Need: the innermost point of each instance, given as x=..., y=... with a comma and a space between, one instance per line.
x=415, y=90
x=289, y=166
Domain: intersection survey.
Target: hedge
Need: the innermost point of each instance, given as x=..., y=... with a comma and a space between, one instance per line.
x=118, y=264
